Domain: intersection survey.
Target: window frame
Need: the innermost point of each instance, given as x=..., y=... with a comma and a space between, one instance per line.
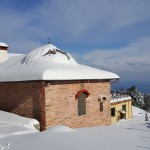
x=124, y=107
x=113, y=112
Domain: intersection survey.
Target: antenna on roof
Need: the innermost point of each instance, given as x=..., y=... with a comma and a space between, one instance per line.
x=49, y=41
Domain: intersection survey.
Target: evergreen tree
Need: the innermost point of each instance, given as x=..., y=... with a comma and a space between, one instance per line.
x=137, y=97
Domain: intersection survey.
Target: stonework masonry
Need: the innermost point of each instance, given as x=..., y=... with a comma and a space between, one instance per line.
x=54, y=102
x=61, y=105
x=21, y=98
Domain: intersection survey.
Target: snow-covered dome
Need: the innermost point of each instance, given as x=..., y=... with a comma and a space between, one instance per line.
x=3, y=44
x=48, y=63
x=48, y=52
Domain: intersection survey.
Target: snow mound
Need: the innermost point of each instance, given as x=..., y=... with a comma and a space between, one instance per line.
x=122, y=120
x=6, y=117
x=60, y=128
x=137, y=111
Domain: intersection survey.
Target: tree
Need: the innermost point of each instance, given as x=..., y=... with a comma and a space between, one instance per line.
x=147, y=102
x=137, y=97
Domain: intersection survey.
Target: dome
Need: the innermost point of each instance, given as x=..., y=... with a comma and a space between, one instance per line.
x=49, y=63
x=3, y=44
x=48, y=52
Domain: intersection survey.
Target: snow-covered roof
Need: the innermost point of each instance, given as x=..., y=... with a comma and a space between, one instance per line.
x=118, y=96
x=48, y=52
x=3, y=44
x=48, y=63
x=13, y=54
x=119, y=99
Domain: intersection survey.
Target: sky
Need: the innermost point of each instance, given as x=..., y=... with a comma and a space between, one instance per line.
x=113, y=35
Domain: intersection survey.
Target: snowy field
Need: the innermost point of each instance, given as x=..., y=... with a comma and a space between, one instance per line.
x=133, y=134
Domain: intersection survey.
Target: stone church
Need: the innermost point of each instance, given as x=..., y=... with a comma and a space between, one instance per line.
x=49, y=85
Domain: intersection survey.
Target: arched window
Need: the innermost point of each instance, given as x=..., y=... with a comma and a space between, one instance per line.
x=101, y=100
x=81, y=96
x=82, y=104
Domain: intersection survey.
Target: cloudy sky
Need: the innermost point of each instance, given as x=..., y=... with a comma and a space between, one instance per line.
x=108, y=34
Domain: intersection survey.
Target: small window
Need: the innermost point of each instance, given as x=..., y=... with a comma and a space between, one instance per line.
x=123, y=113
x=124, y=107
x=113, y=112
x=82, y=104
x=101, y=106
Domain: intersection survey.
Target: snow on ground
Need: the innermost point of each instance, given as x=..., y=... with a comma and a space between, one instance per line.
x=133, y=134
x=7, y=117
x=11, y=124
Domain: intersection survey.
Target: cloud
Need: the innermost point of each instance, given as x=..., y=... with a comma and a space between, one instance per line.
x=76, y=19
x=77, y=22
x=14, y=31
x=130, y=62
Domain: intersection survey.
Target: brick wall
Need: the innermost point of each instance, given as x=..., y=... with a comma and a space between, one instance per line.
x=25, y=99
x=61, y=105
x=21, y=98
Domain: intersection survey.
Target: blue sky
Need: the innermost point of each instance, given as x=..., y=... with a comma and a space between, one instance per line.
x=108, y=34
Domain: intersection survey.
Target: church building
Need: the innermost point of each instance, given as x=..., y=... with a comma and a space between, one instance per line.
x=48, y=84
